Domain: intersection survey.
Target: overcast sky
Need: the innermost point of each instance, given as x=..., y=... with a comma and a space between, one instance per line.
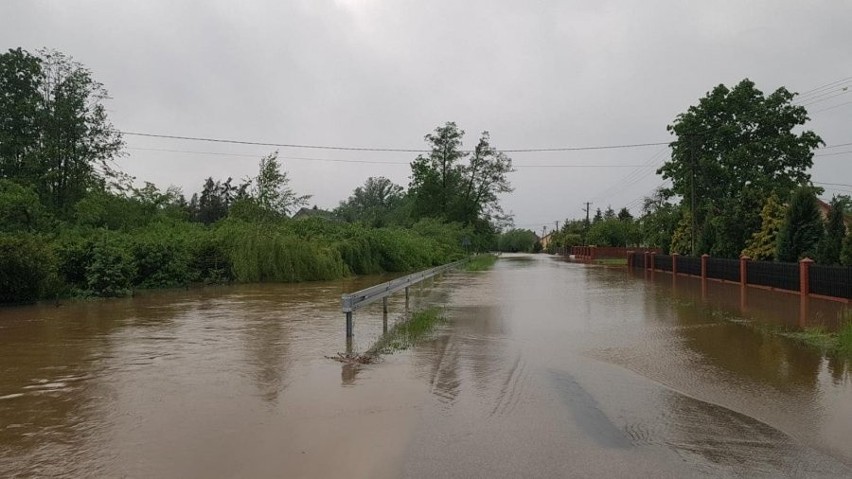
x=383, y=73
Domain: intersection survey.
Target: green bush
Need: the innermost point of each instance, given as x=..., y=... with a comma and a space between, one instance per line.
x=111, y=271
x=26, y=265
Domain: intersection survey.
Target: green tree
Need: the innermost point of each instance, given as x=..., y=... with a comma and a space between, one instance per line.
x=443, y=185
x=21, y=76
x=271, y=188
x=763, y=244
x=802, y=229
x=436, y=177
x=846, y=253
x=20, y=209
x=831, y=245
x=54, y=130
x=659, y=220
x=613, y=232
x=517, y=240
x=740, y=146
x=681, y=242
x=624, y=214
x=372, y=203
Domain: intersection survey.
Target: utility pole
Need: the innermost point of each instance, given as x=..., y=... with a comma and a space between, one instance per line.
x=692, y=188
x=586, y=226
x=557, y=225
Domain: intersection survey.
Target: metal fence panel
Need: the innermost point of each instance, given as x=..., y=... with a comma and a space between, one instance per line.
x=689, y=265
x=721, y=268
x=776, y=275
x=831, y=280
x=663, y=262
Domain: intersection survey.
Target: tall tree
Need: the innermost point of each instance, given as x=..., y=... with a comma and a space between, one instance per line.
x=802, y=229
x=372, y=202
x=483, y=180
x=444, y=186
x=54, y=129
x=763, y=244
x=739, y=146
x=436, y=177
x=831, y=245
x=20, y=103
x=271, y=188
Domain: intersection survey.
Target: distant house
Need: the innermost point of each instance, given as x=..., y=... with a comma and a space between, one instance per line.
x=314, y=213
x=824, y=208
x=545, y=240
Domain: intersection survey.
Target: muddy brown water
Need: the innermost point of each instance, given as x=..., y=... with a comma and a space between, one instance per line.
x=543, y=369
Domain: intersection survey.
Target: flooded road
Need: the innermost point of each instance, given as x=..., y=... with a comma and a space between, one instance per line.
x=543, y=369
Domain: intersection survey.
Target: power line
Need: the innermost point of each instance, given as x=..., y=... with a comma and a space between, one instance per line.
x=831, y=184
x=406, y=163
x=833, y=107
x=383, y=150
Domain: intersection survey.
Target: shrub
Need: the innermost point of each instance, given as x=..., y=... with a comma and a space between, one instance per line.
x=26, y=264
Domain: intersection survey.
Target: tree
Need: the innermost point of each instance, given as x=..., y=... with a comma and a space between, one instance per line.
x=444, y=186
x=21, y=102
x=802, y=229
x=20, y=209
x=613, y=232
x=483, y=180
x=517, y=240
x=624, y=214
x=659, y=220
x=271, y=190
x=371, y=203
x=211, y=206
x=598, y=216
x=54, y=131
x=436, y=177
x=740, y=147
x=763, y=244
x=830, y=247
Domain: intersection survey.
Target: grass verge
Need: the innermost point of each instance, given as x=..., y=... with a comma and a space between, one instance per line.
x=407, y=333
x=481, y=262
x=839, y=342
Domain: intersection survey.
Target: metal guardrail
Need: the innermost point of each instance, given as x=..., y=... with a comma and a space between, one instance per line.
x=352, y=301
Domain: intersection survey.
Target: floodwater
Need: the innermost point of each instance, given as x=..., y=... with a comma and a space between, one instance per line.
x=543, y=369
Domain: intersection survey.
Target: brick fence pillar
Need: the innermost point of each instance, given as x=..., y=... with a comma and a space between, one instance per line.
x=674, y=264
x=630, y=255
x=805, y=277
x=744, y=270
x=704, y=266
x=651, y=259
x=592, y=253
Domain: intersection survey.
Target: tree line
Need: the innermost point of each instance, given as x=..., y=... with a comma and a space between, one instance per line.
x=740, y=185
x=73, y=224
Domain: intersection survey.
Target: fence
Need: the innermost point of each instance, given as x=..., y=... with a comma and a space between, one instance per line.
x=805, y=278
x=591, y=253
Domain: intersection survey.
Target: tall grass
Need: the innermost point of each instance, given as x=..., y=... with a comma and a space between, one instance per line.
x=481, y=262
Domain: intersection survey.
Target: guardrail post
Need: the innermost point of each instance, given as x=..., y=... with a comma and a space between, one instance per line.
x=406, y=297
x=385, y=305
x=349, y=324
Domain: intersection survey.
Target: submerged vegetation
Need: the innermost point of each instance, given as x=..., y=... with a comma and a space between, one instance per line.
x=481, y=262
x=838, y=343
x=73, y=225
x=407, y=333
